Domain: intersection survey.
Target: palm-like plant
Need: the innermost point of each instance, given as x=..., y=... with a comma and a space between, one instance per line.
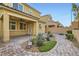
x=75, y=9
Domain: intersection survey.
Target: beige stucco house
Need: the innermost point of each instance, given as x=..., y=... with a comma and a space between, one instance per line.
x=44, y=21
x=17, y=19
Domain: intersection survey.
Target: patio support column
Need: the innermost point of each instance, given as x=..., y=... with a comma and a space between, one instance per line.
x=6, y=28
x=34, y=28
x=37, y=26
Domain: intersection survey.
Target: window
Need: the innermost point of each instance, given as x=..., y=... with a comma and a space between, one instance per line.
x=30, y=11
x=22, y=25
x=12, y=25
x=15, y=6
x=18, y=6
x=51, y=25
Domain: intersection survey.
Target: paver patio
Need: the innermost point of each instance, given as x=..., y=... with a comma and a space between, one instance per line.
x=64, y=47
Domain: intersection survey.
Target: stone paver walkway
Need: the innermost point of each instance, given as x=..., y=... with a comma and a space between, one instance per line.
x=63, y=48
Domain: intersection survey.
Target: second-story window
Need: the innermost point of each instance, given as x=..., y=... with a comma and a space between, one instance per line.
x=15, y=6
x=18, y=6
x=30, y=11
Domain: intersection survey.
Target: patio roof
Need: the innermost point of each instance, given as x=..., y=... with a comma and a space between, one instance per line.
x=26, y=14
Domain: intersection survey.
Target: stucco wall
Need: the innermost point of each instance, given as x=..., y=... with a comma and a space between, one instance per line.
x=17, y=33
x=76, y=34
x=42, y=29
x=27, y=9
x=74, y=25
x=57, y=30
x=44, y=20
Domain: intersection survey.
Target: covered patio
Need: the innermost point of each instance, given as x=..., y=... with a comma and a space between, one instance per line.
x=16, y=25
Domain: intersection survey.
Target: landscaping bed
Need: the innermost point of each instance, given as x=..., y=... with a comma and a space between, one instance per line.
x=47, y=46
x=40, y=44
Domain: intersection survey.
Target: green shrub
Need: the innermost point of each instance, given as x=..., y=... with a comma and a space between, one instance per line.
x=34, y=40
x=40, y=40
x=39, y=43
x=49, y=34
x=70, y=36
x=47, y=46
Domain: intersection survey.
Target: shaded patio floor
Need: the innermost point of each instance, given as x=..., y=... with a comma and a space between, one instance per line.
x=15, y=41
x=20, y=39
